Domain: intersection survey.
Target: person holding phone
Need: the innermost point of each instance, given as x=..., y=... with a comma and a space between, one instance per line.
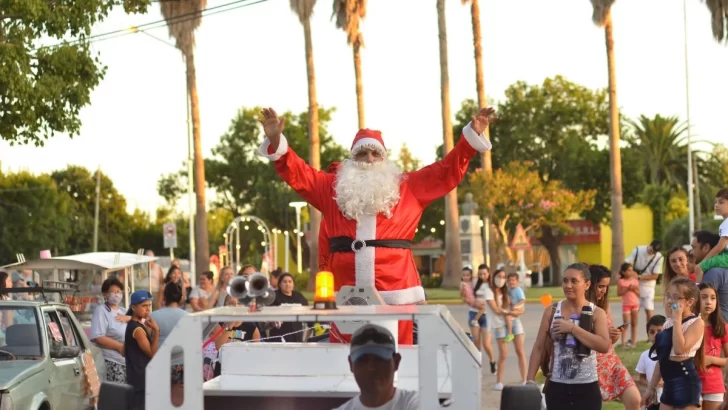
x=614, y=379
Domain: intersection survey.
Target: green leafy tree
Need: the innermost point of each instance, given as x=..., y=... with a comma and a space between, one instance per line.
x=562, y=128
x=246, y=183
x=44, y=87
x=114, y=221
x=406, y=161
x=517, y=194
x=34, y=215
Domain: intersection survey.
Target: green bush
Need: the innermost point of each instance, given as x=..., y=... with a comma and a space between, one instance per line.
x=301, y=281
x=431, y=281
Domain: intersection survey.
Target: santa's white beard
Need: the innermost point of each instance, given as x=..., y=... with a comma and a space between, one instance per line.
x=367, y=189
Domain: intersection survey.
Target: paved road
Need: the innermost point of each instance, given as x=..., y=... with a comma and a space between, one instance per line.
x=531, y=321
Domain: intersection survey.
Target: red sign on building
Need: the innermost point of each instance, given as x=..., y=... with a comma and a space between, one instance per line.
x=583, y=232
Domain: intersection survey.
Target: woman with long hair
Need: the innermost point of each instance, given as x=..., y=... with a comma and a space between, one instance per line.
x=174, y=276
x=572, y=381
x=676, y=265
x=481, y=335
x=716, y=343
x=497, y=298
x=614, y=379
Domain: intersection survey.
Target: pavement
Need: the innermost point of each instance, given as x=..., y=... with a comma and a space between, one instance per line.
x=531, y=321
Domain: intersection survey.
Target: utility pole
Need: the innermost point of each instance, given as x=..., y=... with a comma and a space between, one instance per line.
x=96, y=211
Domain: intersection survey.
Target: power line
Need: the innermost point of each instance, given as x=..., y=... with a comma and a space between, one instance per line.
x=233, y=5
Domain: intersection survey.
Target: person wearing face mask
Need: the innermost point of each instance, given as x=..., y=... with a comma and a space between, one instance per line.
x=108, y=327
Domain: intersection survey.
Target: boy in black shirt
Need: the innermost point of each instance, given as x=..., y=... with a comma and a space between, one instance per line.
x=140, y=343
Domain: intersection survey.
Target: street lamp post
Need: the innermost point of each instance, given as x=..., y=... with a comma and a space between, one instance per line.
x=287, y=256
x=298, y=206
x=691, y=199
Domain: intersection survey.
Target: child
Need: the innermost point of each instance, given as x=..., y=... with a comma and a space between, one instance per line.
x=140, y=343
x=718, y=256
x=518, y=301
x=468, y=295
x=628, y=287
x=716, y=342
x=645, y=366
x=679, y=349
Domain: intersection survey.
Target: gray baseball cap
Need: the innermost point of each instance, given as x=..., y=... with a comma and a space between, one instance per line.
x=372, y=339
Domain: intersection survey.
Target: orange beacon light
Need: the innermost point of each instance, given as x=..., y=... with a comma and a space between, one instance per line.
x=325, y=297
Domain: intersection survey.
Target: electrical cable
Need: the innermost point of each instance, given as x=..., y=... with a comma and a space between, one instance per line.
x=233, y=5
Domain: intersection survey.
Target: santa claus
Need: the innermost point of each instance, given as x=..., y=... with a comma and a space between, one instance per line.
x=372, y=208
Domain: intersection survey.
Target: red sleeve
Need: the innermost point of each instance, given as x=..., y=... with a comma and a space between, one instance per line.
x=324, y=248
x=447, y=173
x=724, y=339
x=314, y=186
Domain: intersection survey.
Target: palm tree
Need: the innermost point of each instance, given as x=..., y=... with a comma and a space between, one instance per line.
x=486, y=161
x=183, y=18
x=349, y=14
x=602, y=17
x=662, y=143
x=304, y=11
x=452, y=235
x=719, y=19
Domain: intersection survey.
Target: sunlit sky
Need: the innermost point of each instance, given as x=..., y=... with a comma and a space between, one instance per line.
x=135, y=128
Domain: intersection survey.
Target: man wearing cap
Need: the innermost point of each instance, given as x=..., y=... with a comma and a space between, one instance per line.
x=373, y=359
x=647, y=261
x=372, y=208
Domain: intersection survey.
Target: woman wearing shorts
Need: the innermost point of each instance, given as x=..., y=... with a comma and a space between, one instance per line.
x=496, y=296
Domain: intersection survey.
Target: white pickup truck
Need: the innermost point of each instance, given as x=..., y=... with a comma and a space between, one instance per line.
x=42, y=348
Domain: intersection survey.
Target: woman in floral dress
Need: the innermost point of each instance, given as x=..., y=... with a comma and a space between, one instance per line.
x=614, y=379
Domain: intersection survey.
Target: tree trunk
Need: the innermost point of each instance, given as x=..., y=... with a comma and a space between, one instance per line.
x=452, y=222
x=202, y=245
x=315, y=152
x=551, y=242
x=359, y=84
x=615, y=156
x=486, y=161
x=486, y=157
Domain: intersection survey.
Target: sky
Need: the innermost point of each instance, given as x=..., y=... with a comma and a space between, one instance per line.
x=135, y=127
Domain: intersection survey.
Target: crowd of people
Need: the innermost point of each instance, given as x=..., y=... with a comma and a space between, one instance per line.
x=129, y=337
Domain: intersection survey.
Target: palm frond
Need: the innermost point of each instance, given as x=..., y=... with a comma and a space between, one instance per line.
x=601, y=11
x=718, y=17
x=303, y=9
x=182, y=29
x=348, y=14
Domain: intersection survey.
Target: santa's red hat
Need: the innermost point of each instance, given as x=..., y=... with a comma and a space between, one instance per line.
x=367, y=138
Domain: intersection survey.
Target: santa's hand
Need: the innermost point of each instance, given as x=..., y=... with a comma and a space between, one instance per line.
x=482, y=119
x=272, y=124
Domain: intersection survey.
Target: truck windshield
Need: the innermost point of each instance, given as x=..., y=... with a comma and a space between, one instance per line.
x=19, y=335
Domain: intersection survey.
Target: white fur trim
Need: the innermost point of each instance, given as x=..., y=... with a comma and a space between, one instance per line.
x=407, y=296
x=282, y=149
x=477, y=141
x=373, y=142
x=366, y=229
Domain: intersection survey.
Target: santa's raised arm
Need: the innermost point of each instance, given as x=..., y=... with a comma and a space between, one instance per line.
x=372, y=208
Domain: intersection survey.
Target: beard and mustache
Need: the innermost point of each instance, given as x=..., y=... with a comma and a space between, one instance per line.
x=367, y=188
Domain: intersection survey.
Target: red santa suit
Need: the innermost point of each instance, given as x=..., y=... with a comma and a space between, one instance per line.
x=323, y=239
x=391, y=270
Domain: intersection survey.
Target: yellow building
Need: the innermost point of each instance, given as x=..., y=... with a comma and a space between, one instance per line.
x=638, y=230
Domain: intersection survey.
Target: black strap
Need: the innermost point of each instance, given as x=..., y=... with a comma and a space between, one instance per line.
x=347, y=244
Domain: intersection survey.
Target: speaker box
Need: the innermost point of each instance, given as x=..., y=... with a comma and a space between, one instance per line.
x=526, y=397
x=116, y=396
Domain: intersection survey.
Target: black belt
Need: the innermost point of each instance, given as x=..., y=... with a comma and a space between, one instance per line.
x=347, y=244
